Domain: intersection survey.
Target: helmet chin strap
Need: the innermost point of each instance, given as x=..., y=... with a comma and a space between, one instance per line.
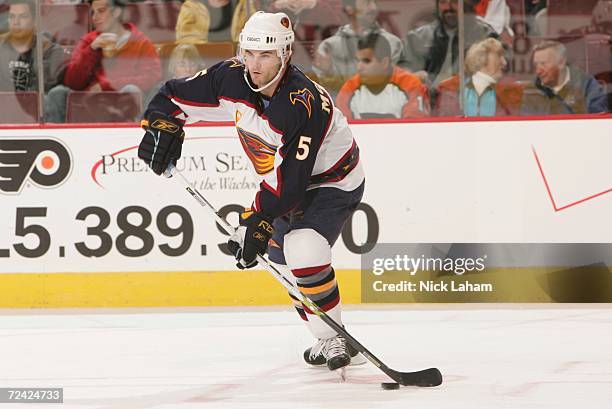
x=277, y=76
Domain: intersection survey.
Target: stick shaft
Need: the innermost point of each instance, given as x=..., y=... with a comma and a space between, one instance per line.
x=395, y=375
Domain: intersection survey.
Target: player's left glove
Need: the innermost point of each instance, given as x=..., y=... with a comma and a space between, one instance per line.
x=251, y=238
x=162, y=143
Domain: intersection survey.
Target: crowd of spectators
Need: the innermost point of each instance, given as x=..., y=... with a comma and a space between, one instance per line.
x=372, y=68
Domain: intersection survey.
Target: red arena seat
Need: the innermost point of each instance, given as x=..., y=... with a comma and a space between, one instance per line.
x=106, y=106
x=18, y=108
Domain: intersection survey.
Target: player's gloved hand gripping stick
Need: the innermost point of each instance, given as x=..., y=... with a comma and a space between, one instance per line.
x=162, y=142
x=425, y=377
x=250, y=238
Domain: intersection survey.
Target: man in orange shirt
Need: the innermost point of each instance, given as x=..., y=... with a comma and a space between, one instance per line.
x=381, y=89
x=115, y=56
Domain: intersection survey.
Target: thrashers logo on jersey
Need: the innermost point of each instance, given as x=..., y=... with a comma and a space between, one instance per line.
x=303, y=96
x=260, y=153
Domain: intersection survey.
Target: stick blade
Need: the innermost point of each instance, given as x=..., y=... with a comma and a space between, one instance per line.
x=425, y=378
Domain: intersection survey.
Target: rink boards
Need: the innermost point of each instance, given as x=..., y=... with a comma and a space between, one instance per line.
x=85, y=224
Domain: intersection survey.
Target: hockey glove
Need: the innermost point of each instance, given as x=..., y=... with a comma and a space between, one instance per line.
x=251, y=238
x=161, y=144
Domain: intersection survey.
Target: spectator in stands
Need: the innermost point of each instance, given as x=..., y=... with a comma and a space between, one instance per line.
x=497, y=14
x=184, y=62
x=243, y=10
x=601, y=21
x=532, y=7
x=432, y=50
x=292, y=8
x=220, y=20
x=536, y=16
x=246, y=8
x=381, y=89
x=484, y=93
x=192, y=23
x=335, y=58
x=560, y=88
x=18, y=61
x=116, y=56
x=602, y=17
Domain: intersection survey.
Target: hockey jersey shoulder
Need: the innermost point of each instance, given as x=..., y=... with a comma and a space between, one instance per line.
x=205, y=89
x=223, y=79
x=300, y=103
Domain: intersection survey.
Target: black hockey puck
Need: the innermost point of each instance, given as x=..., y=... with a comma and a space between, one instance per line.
x=389, y=385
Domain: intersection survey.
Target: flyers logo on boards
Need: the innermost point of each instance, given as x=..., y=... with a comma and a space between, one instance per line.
x=45, y=162
x=303, y=96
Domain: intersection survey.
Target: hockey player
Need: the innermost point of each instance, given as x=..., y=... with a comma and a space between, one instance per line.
x=300, y=149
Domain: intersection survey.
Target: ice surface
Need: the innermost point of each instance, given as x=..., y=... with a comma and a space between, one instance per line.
x=510, y=356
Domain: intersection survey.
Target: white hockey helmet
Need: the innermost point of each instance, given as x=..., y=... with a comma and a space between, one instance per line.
x=267, y=31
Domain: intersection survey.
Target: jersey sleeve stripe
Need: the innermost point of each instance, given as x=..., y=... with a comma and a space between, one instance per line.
x=240, y=101
x=193, y=103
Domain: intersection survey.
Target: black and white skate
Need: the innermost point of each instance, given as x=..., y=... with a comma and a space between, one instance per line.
x=332, y=351
x=319, y=360
x=338, y=361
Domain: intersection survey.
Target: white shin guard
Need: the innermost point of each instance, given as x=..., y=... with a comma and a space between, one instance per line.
x=306, y=248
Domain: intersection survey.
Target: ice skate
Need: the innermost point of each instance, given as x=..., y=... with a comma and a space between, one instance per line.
x=331, y=351
x=319, y=360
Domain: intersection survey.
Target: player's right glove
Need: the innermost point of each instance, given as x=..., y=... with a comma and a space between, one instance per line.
x=162, y=142
x=251, y=238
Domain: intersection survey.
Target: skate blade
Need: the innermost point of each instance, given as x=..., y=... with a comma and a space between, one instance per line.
x=342, y=373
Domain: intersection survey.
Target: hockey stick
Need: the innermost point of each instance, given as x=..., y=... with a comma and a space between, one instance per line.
x=425, y=377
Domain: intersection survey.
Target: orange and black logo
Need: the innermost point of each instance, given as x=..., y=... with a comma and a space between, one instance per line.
x=303, y=96
x=165, y=126
x=259, y=152
x=44, y=162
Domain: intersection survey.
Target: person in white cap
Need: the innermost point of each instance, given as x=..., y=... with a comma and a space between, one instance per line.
x=301, y=150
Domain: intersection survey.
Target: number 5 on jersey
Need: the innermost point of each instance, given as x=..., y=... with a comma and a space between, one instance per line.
x=303, y=148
